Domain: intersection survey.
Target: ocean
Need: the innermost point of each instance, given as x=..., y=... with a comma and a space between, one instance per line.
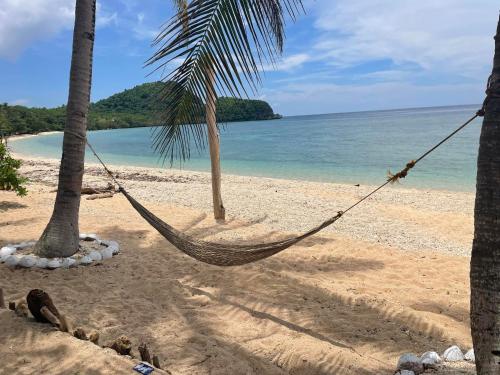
x=354, y=148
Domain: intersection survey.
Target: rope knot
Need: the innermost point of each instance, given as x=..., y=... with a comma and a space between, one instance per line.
x=392, y=178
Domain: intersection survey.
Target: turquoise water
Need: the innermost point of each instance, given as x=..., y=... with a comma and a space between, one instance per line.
x=347, y=147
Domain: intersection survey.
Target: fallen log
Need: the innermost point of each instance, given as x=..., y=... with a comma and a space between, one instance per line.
x=88, y=190
x=100, y=196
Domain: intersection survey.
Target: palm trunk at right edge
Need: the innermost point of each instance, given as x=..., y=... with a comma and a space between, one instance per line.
x=61, y=236
x=485, y=260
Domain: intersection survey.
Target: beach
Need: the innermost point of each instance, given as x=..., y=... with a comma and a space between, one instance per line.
x=390, y=277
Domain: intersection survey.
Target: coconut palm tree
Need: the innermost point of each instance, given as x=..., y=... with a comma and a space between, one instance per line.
x=61, y=236
x=223, y=45
x=485, y=260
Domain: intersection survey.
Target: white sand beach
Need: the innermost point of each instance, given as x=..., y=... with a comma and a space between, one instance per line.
x=390, y=277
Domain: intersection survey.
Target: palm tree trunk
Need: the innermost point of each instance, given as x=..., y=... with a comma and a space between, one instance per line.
x=61, y=236
x=213, y=142
x=485, y=260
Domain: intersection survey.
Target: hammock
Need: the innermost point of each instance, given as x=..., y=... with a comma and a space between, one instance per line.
x=220, y=254
x=217, y=253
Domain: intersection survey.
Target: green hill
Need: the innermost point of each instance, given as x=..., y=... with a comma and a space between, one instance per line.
x=131, y=108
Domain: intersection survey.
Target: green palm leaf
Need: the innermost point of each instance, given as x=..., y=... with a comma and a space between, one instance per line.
x=234, y=38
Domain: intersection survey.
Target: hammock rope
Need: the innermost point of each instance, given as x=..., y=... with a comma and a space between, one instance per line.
x=221, y=254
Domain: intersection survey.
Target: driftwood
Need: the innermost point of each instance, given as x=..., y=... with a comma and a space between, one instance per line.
x=100, y=196
x=47, y=314
x=156, y=362
x=80, y=334
x=43, y=309
x=21, y=309
x=37, y=299
x=122, y=345
x=144, y=352
x=2, y=300
x=94, y=337
x=98, y=190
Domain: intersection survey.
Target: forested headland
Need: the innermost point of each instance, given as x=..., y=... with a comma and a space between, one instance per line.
x=135, y=107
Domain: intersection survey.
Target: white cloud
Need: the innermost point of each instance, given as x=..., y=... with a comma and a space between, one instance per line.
x=289, y=63
x=447, y=35
x=143, y=31
x=105, y=18
x=22, y=22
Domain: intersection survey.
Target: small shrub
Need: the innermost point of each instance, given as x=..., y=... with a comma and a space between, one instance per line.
x=9, y=174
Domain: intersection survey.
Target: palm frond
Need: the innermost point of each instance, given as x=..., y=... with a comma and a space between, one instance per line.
x=234, y=38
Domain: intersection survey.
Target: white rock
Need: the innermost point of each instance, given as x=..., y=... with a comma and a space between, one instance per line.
x=411, y=362
x=470, y=356
x=27, y=261
x=12, y=260
x=83, y=236
x=42, y=262
x=107, y=253
x=453, y=354
x=95, y=255
x=53, y=264
x=430, y=359
x=113, y=245
x=86, y=260
x=68, y=262
x=7, y=251
x=405, y=372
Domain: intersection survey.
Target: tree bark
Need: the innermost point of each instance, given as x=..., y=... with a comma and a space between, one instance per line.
x=213, y=141
x=485, y=260
x=60, y=238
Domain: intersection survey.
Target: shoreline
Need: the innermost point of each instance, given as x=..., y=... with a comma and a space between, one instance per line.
x=435, y=220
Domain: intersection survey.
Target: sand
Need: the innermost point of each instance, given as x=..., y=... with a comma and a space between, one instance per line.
x=390, y=278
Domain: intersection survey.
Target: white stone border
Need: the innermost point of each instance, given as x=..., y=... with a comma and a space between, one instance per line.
x=9, y=257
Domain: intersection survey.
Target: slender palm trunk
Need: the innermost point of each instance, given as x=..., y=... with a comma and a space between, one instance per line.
x=60, y=237
x=213, y=142
x=485, y=261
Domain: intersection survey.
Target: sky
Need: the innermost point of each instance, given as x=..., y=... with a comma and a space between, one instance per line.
x=339, y=56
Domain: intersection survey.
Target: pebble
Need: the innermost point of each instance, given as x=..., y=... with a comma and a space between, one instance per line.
x=113, y=245
x=53, y=264
x=42, y=262
x=453, y=354
x=68, y=262
x=86, y=260
x=470, y=356
x=107, y=253
x=430, y=359
x=95, y=255
x=12, y=260
x=28, y=261
x=7, y=251
x=411, y=362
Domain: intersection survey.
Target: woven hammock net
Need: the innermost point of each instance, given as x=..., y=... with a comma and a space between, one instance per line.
x=220, y=254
